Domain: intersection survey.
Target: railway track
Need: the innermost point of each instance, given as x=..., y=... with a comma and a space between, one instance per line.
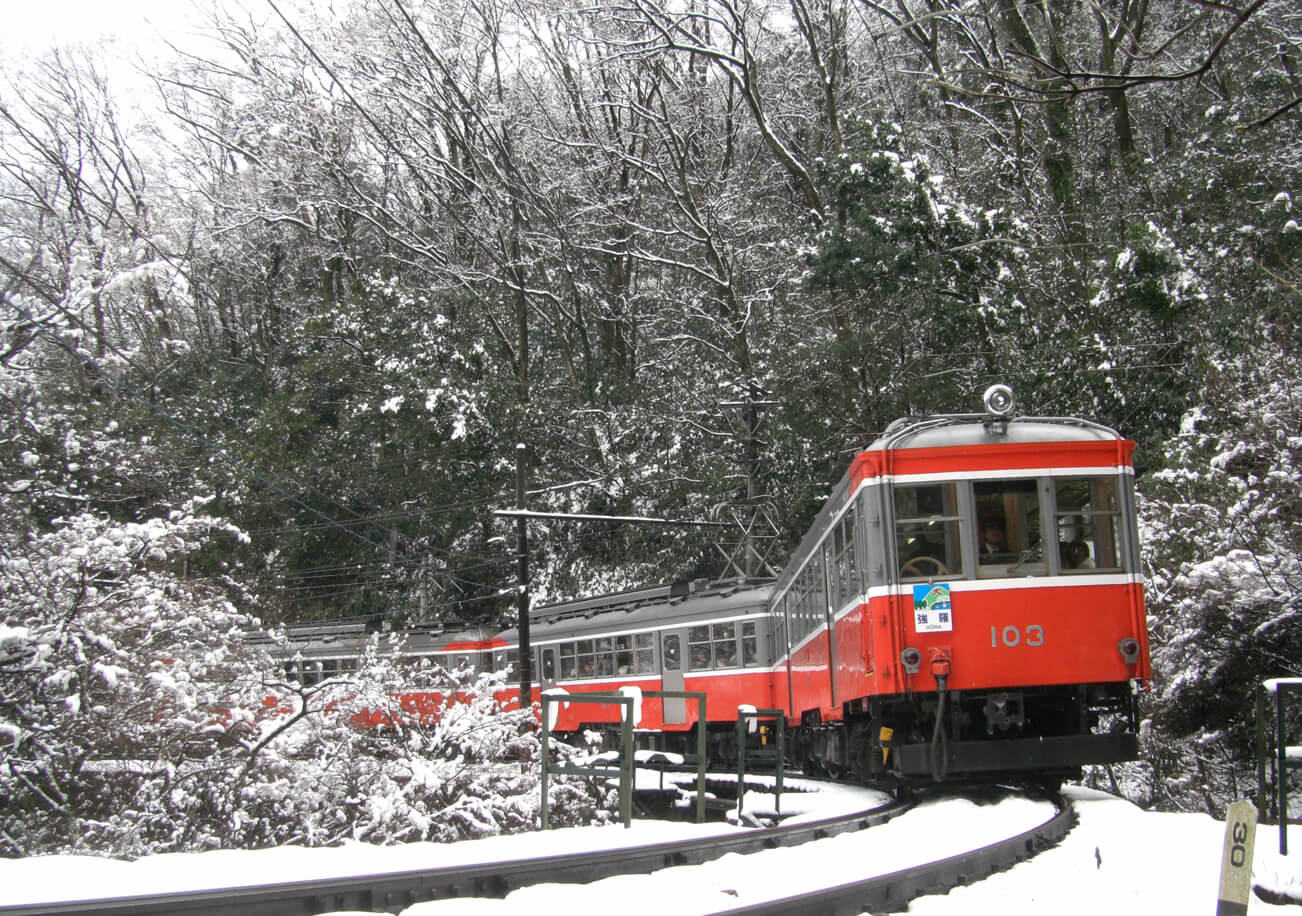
x=393, y=892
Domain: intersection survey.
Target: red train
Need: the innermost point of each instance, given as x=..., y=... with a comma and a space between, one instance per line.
x=967, y=604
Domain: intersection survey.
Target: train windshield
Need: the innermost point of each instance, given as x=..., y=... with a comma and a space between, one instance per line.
x=1089, y=524
x=927, y=531
x=1009, y=539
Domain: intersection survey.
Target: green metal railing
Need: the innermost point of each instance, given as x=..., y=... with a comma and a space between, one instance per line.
x=743, y=718
x=1280, y=763
x=699, y=698
x=626, y=749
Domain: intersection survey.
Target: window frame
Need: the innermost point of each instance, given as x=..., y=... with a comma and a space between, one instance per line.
x=956, y=521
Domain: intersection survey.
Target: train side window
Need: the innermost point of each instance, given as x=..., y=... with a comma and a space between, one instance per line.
x=673, y=659
x=504, y=662
x=549, y=664
x=698, y=648
x=1009, y=540
x=749, y=644
x=927, y=531
x=724, y=639
x=569, y=667
x=846, y=563
x=1088, y=513
x=644, y=661
x=605, y=656
x=587, y=660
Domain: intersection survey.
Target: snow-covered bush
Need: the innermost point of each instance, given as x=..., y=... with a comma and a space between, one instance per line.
x=135, y=717
x=435, y=770
x=112, y=663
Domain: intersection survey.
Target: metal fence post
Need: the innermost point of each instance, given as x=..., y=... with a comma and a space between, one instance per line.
x=1262, y=801
x=1281, y=762
x=779, y=718
x=547, y=700
x=1281, y=768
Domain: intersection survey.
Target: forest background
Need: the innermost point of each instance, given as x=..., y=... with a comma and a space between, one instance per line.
x=274, y=325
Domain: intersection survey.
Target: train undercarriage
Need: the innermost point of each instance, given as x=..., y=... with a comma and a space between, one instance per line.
x=983, y=734
x=1041, y=734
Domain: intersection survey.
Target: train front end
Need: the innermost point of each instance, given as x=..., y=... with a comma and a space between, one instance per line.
x=1005, y=625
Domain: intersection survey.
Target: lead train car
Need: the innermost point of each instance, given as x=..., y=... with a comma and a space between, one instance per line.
x=967, y=604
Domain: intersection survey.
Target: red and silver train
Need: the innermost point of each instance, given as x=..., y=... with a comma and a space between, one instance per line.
x=968, y=604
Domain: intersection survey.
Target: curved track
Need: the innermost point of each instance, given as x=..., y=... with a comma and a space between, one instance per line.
x=393, y=892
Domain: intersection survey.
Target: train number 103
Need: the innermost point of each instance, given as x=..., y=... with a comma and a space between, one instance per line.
x=1031, y=635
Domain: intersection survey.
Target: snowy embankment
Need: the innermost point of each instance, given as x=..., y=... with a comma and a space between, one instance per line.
x=1118, y=859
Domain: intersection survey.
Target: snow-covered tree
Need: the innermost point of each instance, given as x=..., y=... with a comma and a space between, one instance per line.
x=1222, y=529
x=113, y=667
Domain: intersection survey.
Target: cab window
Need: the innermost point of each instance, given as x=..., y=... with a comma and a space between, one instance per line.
x=1009, y=540
x=1088, y=514
x=927, y=531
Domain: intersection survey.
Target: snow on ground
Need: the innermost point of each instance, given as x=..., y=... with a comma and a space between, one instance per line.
x=1118, y=859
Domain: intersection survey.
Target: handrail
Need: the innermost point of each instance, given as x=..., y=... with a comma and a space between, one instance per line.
x=625, y=750
x=1281, y=761
x=742, y=716
x=701, y=720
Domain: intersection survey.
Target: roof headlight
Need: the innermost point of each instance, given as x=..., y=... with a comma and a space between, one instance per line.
x=999, y=401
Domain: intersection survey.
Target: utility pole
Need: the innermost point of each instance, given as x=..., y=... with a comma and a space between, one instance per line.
x=522, y=580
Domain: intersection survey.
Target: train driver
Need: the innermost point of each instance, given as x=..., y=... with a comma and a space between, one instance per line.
x=1076, y=555
x=992, y=538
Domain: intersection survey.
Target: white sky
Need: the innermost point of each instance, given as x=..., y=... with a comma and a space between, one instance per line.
x=34, y=25
x=1118, y=859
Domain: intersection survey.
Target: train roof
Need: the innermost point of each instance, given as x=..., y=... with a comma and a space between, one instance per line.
x=334, y=638
x=980, y=429
x=647, y=608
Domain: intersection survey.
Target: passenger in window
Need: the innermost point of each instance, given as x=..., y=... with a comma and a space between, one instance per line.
x=724, y=656
x=587, y=669
x=700, y=657
x=1078, y=555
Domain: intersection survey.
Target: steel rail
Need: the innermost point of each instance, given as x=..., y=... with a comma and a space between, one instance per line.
x=395, y=891
x=892, y=892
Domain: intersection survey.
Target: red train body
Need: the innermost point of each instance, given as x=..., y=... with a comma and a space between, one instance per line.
x=966, y=604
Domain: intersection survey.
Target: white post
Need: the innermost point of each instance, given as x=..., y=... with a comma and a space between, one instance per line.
x=1236, y=860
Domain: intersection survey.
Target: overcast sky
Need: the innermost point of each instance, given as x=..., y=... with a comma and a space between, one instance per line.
x=32, y=25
